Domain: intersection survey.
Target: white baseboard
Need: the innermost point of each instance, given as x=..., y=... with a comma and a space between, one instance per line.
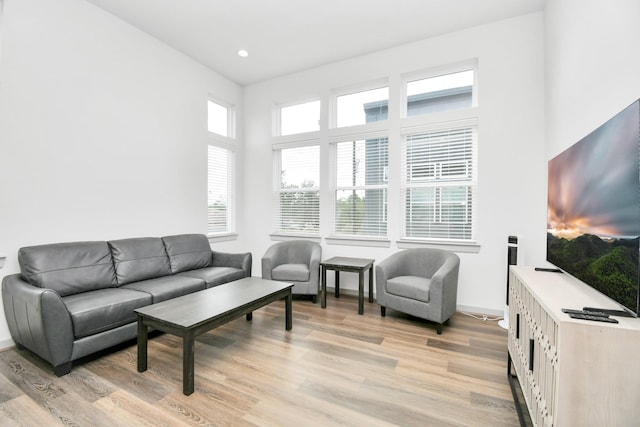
x=7, y=344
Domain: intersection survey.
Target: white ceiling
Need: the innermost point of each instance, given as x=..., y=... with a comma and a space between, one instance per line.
x=285, y=36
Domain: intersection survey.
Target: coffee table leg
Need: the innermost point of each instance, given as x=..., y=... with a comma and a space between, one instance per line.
x=361, y=292
x=337, y=288
x=187, y=364
x=371, y=283
x=288, y=306
x=323, y=288
x=142, y=345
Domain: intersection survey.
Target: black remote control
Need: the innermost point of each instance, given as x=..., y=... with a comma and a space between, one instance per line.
x=592, y=313
x=591, y=317
x=549, y=270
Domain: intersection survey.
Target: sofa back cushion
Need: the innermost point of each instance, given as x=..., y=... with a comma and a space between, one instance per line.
x=188, y=251
x=68, y=268
x=139, y=258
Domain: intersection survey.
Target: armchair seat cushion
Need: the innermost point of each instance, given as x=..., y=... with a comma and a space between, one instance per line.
x=96, y=311
x=413, y=287
x=291, y=272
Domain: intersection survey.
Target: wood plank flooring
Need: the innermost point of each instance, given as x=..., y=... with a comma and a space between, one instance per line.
x=335, y=368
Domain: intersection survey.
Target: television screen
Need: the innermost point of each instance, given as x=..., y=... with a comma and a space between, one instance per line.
x=593, y=218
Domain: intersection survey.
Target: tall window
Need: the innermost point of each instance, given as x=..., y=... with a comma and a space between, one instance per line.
x=298, y=195
x=361, y=187
x=221, y=190
x=439, y=184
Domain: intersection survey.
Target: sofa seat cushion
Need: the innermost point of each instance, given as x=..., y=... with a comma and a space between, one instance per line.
x=188, y=251
x=139, y=259
x=215, y=276
x=413, y=287
x=68, y=268
x=104, y=309
x=291, y=272
x=164, y=288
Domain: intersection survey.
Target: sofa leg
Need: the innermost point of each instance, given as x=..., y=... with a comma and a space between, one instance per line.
x=383, y=311
x=314, y=298
x=439, y=328
x=63, y=369
x=249, y=316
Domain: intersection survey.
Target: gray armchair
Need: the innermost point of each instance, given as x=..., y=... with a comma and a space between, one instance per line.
x=419, y=282
x=295, y=261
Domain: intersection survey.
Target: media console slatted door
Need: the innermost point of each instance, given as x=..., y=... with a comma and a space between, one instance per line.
x=572, y=372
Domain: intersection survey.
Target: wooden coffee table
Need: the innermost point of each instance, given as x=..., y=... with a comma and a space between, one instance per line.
x=194, y=314
x=356, y=265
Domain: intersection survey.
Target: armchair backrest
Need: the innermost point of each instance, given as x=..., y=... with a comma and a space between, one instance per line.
x=294, y=252
x=423, y=262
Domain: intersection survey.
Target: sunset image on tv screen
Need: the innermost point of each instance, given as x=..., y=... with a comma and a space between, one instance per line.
x=593, y=220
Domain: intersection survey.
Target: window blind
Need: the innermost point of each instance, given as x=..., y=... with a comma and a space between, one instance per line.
x=220, y=190
x=298, y=195
x=439, y=184
x=361, y=187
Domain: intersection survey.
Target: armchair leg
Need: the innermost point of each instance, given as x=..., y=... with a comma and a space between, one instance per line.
x=439, y=328
x=383, y=311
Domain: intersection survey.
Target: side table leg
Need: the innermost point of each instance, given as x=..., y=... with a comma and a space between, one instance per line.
x=187, y=364
x=337, y=288
x=288, y=311
x=323, y=288
x=142, y=345
x=361, y=292
x=371, y=283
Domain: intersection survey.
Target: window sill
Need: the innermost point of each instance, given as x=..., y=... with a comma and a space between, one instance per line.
x=358, y=241
x=227, y=237
x=449, y=245
x=283, y=237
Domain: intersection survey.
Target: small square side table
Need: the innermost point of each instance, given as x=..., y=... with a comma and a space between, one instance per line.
x=353, y=265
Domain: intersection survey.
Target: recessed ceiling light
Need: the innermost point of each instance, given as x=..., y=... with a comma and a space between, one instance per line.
x=243, y=53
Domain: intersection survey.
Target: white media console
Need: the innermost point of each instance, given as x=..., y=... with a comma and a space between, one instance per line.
x=572, y=372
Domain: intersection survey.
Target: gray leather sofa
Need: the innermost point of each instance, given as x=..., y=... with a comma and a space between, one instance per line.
x=74, y=299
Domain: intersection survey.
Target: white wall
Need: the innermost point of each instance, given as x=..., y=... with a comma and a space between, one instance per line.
x=592, y=66
x=102, y=130
x=512, y=168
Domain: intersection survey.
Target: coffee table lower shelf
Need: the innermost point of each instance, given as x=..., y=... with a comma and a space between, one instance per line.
x=194, y=314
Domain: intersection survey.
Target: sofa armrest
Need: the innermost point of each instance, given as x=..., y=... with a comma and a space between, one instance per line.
x=242, y=261
x=38, y=320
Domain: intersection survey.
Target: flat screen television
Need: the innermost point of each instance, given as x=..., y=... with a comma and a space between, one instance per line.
x=593, y=215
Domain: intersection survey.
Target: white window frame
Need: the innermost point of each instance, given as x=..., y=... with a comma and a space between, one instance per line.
x=278, y=232
x=350, y=90
x=437, y=72
x=436, y=182
x=230, y=233
x=231, y=118
x=335, y=235
x=277, y=120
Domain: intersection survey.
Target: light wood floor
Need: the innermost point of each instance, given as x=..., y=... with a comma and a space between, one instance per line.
x=334, y=368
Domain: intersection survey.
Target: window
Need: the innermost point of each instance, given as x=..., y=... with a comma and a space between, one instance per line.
x=442, y=93
x=219, y=119
x=362, y=167
x=300, y=118
x=221, y=167
x=298, y=195
x=362, y=107
x=439, y=184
